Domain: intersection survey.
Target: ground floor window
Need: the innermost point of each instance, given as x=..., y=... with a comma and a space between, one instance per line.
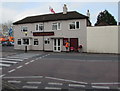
x=26, y=41
x=19, y=42
x=47, y=41
x=35, y=41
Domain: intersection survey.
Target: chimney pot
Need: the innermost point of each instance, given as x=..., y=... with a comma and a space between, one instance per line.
x=65, y=9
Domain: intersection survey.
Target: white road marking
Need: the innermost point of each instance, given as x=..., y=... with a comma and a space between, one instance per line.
x=19, y=67
x=105, y=83
x=101, y=87
x=13, y=81
x=14, y=59
x=2, y=58
x=32, y=61
x=2, y=75
x=53, y=88
x=25, y=77
x=27, y=63
x=11, y=70
x=66, y=80
x=5, y=65
x=7, y=62
x=30, y=87
x=76, y=85
x=33, y=82
x=43, y=56
x=53, y=83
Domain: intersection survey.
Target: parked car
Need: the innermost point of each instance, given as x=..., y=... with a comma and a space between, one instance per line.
x=4, y=43
x=7, y=43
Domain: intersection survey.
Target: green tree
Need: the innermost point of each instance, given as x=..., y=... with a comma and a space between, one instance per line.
x=105, y=18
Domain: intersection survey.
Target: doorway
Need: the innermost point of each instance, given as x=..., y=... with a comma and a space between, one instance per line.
x=56, y=45
x=74, y=43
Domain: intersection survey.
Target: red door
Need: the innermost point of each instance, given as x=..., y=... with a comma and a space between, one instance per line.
x=74, y=43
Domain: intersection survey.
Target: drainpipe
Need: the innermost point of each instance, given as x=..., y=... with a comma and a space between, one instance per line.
x=43, y=38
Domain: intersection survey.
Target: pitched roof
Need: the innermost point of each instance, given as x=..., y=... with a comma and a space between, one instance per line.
x=51, y=17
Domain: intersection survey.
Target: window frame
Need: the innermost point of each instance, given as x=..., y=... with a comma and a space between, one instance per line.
x=36, y=40
x=39, y=25
x=24, y=27
x=19, y=40
x=58, y=25
x=75, y=22
x=28, y=41
x=47, y=41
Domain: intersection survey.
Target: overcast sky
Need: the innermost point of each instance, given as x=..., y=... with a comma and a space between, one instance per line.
x=18, y=10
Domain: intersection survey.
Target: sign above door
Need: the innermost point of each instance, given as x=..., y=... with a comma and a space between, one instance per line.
x=43, y=33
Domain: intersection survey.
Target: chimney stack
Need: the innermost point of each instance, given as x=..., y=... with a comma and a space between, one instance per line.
x=65, y=9
x=88, y=14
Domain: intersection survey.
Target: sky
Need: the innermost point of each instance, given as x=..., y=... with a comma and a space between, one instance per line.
x=14, y=11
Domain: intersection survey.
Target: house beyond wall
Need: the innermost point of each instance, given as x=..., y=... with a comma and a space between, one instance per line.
x=103, y=39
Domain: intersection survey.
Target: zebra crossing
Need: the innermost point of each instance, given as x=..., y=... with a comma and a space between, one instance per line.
x=11, y=60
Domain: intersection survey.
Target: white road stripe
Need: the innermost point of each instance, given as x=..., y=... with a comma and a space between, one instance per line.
x=76, y=85
x=11, y=70
x=30, y=87
x=25, y=77
x=5, y=65
x=53, y=83
x=66, y=80
x=13, y=81
x=105, y=83
x=2, y=58
x=2, y=75
x=19, y=67
x=27, y=63
x=7, y=62
x=32, y=61
x=53, y=88
x=101, y=87
x=14, y=59
x=33, y=82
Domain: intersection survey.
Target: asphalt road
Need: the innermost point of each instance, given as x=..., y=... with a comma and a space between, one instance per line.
x=73, y=71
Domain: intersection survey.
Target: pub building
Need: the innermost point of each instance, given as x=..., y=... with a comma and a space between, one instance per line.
x=49, y=32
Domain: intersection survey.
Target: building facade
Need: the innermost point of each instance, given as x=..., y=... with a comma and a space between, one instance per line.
x=49, y=32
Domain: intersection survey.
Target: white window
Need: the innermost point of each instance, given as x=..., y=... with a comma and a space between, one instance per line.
x=35, y=41
x=39, y=27
x=26, y=41
x=74, y=25
x=47, y=41
x=24, y=29
x=19, y=42
x=56, y=26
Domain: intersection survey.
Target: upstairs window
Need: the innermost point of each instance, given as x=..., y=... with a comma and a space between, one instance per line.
x=56, y=26
x=24, y=29
x=39, y=27
x=74, y=25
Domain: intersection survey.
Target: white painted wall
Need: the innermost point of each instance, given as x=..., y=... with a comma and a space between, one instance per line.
x=102, y=39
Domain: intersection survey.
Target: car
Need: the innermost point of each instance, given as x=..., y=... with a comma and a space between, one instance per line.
x=7, y=43
x=4, y=43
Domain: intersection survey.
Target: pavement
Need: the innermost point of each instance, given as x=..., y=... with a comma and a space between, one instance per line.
x=57, y=71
